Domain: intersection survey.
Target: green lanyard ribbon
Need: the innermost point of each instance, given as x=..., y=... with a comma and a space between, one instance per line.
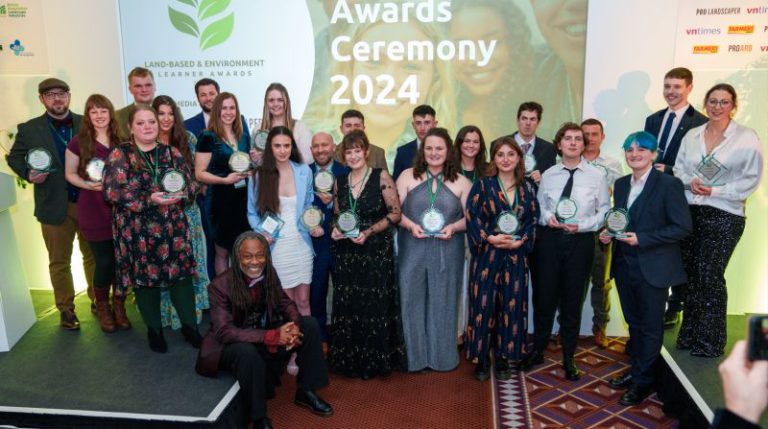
x=152, y=166
x=352, y=200
x=506, y=197
x=433, y=195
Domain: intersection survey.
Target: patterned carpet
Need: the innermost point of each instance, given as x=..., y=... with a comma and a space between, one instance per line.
x=553, y=402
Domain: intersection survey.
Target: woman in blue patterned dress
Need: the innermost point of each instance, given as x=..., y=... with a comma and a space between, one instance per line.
x=173, y=134
x=498, y=286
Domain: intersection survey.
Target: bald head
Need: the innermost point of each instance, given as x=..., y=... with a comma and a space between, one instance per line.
x=322, y=148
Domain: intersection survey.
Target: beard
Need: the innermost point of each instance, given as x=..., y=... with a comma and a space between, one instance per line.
x=58, y=111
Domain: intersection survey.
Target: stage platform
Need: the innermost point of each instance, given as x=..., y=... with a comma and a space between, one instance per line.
x=88, y=379
x=690, y=386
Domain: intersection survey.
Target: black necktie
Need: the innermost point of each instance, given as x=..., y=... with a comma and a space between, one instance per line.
x=568, y=185
x=665, y=134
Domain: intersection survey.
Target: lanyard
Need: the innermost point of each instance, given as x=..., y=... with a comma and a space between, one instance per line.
x=58, y=134
x=433, y=195
x=153, y=169
x=506, y=197
x=474, y=174
x=352, y=200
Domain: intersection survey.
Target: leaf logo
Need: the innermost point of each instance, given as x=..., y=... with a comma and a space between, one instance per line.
x=215, y=33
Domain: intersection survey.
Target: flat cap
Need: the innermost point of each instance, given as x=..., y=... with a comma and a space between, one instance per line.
x=52, y=83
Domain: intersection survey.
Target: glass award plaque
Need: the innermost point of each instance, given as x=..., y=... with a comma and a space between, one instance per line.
x=271, y=224
x=173, y=183
x=507, y=223
x=348, y=223
x=312, y=217
x=39, y=159
x=566, y=210
x=616, y=222
x=259, y=141
x=95, y=170
x=711, y=171
x=530, y=163
x=324, y=180
x=240, y=162
x=603, y=169
x=432, y=222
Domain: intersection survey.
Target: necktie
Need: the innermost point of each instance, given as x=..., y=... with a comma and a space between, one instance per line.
x=526, y=147
x=568, y=185
x=665, y=134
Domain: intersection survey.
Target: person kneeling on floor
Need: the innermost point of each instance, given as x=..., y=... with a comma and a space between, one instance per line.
x=254, y=329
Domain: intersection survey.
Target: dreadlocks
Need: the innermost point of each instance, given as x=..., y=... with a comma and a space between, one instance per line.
x=241, y=298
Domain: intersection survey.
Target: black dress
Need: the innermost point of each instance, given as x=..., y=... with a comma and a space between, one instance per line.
x=367, y=334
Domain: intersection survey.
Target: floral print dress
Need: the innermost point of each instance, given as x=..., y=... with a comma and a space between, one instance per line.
x=152, y=243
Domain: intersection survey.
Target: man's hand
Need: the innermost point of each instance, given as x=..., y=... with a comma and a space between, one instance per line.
x=37, y=177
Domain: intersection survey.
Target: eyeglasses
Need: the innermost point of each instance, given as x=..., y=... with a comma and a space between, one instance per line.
x=51, y=95
x=714, y=102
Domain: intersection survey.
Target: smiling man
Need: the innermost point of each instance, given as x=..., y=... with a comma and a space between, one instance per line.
x=669, y=127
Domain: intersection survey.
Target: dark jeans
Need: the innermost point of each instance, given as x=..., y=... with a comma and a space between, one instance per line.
x=104, y=258
x=318, y=292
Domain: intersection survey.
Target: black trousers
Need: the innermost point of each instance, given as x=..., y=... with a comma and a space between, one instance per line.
x=561, y=269
x=258, y=371
x=104, y=257
x=643, y=308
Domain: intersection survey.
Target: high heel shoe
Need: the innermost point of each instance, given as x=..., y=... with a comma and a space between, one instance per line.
x=192, y=336
x=157, y=341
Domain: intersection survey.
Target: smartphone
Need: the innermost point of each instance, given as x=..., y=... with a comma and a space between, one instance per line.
x=758, y=337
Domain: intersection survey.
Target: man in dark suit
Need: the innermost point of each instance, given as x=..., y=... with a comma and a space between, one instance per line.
x=141, y=85
x=206, y=91
x=669, y=127
x=354, y=120
x=543, y=151
x=322, y=151
x=646, y=258
x=424, y=119
x=55, y=199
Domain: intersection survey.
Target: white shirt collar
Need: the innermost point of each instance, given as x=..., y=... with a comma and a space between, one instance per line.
x=206, y=118
x=642, y=179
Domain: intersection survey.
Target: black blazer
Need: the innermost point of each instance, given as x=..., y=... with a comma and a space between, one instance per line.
x=50, y=196
x=404, y=158
x=543, y=151
x=661, y=219
x=691, y=119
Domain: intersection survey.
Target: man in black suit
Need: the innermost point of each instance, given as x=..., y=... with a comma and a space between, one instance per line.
x=646, y=258
x=528, y=119
x=206, y=90
x=424, y=119
x=55, y=199
x=669, y=127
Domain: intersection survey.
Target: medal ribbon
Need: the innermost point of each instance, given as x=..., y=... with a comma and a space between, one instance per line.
x=506, y=197
x=152, y=166
x=474, y=174
x=352, y=200
x=433, y=195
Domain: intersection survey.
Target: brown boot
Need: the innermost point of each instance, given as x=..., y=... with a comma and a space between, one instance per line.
x=601, y=340
x=121, y=319
x=106, y=319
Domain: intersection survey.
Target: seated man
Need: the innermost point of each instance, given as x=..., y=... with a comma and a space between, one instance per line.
x=254, y=329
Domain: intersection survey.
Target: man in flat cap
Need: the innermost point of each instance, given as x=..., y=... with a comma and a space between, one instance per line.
x=37, y=156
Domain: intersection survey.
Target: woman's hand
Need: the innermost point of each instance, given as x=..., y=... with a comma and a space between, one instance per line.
x=336, y=235
x=95, y=186
x=233, y=178
x=360, y=239
x=417, y=231
x=698, y=188
x=446, y=233
x=162, y=199
x=268, y=237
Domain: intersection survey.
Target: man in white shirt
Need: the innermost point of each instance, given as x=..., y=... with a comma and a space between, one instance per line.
x=601, y=287
x=669, y=126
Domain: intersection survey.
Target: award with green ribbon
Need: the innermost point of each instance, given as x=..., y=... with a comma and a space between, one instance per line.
x=312, y=217
x=566, y=210
x=173, y=183
x=616, y=222
x=507, y=222
x=711, y=171
x=347, y=221
x=432, y=220
x=95, y=170
x=40, y=159
x=271, y=224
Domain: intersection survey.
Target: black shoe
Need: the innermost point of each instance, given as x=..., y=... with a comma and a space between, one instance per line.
x=624, y=381
x=671, y=318
x=309, y=399
x=502, y=370
x=635, y=395
x=157, y=341
x=533, y=359
x=192, y=336
x=69, y=320
x=572, y=372
x=262, y=424
x=481, y=371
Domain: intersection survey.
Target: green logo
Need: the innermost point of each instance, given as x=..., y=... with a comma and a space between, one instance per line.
x=2, y=10
x=215, y=33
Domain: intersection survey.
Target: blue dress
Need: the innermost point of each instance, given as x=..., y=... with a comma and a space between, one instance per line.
x=498, y=279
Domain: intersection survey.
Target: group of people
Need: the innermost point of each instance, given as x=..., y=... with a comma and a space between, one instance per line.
x=203, y=214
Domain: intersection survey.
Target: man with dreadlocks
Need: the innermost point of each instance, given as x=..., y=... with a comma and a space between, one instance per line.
x=254, y=329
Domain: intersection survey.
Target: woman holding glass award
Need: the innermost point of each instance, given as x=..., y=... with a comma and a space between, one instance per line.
x=501, y=218
x=172, y=133
x=720, y=164
x=277, y=112
x=222, y=161
x=84, y=162
x=433, y=195
x=367, y=338
x=148, y=183
x=573, y=198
